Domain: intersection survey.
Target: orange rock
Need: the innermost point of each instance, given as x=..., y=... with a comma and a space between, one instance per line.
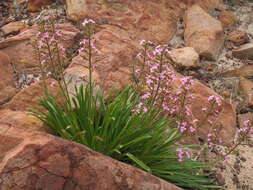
x=33, y=160
x=185, y=57
x=7, y=85
x=244, y=71
x=227, y=19
x=22, y=119
x=13, y=27
x=247, y=89
x=238, y=37
x=203, y=32
x=37, y=5
x=29, y=97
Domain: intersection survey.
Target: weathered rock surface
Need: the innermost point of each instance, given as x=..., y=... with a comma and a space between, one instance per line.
x=22, y=119
x=244, y=52
x=7, y=86
x=20, y=50
x=244, y=71
x=227, y=19
x=116, y=57
x=29, y=97
x=203, y=32
x=238, y=37
x=13, y=27
x=32, y=161
x=185, y=57
x=139, y=18
x=247, y=89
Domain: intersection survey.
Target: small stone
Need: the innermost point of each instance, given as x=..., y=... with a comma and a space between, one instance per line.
x=244, y=52
x=227, y=19
x=237, y=36
x=244, y=71
x=185, y=57
x=247, y=89
x=225, y=93
x=37, y=5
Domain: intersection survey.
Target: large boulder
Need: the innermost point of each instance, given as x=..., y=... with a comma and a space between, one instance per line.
x=7, y=84
x=29, y=97
x=22, y=119
x=32, y=161
x=139, y=18
x=203, y=32
x=116, y=57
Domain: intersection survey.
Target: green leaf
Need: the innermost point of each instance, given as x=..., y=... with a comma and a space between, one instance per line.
x=138, y=162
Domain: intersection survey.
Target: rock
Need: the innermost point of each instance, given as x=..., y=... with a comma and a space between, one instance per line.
x=78, y=75
x=21, y=52
x=22, y=119
x=29, y=97
x=33, y=160
x=37, y=5
x=238, y=37
x=139, y=18
x=227, y=19
x=7, y=85
x=203, y=32
x=247, y=89
x=116, y=57
x=185, y=57
x=244, y=52
x=244, y=71
x=13, y=27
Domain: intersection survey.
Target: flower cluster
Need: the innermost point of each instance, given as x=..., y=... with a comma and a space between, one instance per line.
x=88, y=49
x=157, y=77
x=183, y=153
x=51, y=54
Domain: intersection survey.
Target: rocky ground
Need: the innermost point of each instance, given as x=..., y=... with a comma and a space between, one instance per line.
x=210, y=41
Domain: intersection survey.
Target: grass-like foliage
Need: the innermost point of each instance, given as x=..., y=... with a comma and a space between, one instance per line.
x=144, y=139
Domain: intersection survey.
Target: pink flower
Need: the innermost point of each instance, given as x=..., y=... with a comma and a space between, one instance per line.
x=53, y=84
x=88, y=21
x=145, y=96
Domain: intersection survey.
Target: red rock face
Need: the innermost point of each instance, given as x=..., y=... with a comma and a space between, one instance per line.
x=30, y=160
